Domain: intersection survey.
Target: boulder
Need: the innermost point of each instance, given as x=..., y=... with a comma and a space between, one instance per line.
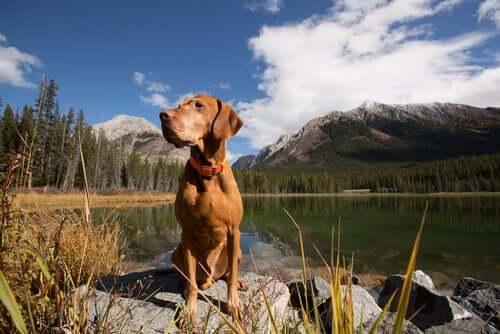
x=151, y=302
x=388, y=323
x=427, y=306
x=363, y=307
x=480, y=297
x=473, y=325
x=321, y=292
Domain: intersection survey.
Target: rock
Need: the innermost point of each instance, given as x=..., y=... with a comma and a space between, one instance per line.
x=430, y=307
x=473, y=325
x=388, y=323
x=423, y=279
x=356, y=280
x=480, y=297
x=363, y=307
x=150, y=302
x=321, y=292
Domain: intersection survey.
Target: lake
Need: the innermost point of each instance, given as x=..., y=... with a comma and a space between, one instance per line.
x=461, y=236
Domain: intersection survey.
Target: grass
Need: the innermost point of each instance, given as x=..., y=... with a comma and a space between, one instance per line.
x=39, y=200
x=46, y=255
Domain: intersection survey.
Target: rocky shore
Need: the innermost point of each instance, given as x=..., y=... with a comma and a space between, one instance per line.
x=150, y=302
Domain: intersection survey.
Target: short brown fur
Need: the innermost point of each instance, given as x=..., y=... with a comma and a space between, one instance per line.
x=209, y=209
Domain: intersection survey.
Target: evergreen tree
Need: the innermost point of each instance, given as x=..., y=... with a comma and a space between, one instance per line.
x=9, y=130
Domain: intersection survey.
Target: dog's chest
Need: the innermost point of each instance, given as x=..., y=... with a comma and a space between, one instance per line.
x=210, y=210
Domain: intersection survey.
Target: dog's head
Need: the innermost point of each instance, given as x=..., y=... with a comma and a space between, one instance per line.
x=197, y=118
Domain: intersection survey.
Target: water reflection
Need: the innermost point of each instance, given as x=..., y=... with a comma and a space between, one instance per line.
x=461, y=238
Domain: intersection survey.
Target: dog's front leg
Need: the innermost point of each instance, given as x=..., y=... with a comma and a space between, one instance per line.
x=233, y=300
x=191, y=293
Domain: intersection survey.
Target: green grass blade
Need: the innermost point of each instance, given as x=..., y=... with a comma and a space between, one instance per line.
x=8, y=300
x=381, y=316
x=41, y=264
x=405, y=291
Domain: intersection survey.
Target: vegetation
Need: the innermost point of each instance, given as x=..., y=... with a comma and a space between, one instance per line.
x=50, y=141
x=465, y=174
x=44, y=256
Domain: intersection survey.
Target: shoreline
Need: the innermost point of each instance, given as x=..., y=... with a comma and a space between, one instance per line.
x=40, y=200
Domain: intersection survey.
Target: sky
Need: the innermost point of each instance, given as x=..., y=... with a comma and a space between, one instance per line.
x=279, y=63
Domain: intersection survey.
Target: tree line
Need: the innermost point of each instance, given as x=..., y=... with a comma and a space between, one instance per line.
x=53, y=144
x=464, y=174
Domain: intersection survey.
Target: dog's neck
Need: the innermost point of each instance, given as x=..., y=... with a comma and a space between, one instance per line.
x=208, y=158
x=211, y=152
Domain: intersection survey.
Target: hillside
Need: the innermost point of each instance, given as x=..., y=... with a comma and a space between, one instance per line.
x=377, y=133
x=136, y=134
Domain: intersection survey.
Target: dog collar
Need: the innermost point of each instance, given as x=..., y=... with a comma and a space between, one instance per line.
x=205, y=170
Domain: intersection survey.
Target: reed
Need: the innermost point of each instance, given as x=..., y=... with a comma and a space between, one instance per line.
x=46, y=255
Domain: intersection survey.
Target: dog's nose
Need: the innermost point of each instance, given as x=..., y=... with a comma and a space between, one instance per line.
x=164, y=115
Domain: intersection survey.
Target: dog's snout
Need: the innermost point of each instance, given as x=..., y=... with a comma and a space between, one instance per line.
x=164, y=115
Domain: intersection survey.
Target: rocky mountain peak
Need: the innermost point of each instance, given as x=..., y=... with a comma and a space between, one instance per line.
x=140, y=136
x=122, y=125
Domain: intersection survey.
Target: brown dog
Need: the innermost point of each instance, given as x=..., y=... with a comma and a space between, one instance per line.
x=208, y=205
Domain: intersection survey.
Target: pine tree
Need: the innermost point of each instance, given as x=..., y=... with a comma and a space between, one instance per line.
x=9, y=130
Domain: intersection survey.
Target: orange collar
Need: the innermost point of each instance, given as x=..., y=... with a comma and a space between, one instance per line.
x=205, y=170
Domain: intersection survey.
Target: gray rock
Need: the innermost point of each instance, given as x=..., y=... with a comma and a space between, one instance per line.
x=363, y=304
x=423, y=279
x=321, y=292
x=388, y=323
x=480, y=297
x=473, y=325
x=429, y=307
x=151, y=301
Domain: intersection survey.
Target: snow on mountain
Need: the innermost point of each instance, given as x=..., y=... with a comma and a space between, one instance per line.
x=123, y=125
x=387, y=131
x=138, y=135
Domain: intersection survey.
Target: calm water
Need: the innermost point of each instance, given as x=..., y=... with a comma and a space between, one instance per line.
x=461, y=236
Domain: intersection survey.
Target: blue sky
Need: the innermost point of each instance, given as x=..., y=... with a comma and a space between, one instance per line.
x=280, y=63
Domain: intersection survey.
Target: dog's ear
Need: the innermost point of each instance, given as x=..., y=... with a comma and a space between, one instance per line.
x=227, y=122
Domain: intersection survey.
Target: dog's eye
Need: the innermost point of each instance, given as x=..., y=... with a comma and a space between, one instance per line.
x=198, y=105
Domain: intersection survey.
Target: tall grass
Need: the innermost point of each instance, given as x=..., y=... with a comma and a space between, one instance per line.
x=44, y=256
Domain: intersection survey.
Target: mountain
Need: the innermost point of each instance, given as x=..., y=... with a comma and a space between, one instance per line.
x=385, y=133
x=137, y=134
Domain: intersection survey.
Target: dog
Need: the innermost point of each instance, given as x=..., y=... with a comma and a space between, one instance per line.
x=208, y=205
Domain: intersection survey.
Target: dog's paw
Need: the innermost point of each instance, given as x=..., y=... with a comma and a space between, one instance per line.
x=235, y=308
x=242, y=286
x=187, y=319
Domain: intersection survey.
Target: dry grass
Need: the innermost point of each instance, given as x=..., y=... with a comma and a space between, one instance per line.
x=44, y=256
x=36, y=200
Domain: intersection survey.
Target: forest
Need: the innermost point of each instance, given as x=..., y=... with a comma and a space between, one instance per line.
x=464, y=174
x=57, y=147
x=52, y=144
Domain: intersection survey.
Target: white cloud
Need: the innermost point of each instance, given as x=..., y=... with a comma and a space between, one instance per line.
x=224, y=85
x=362, y=49
x=15, y=64
x=156, y=100
x=138, y=78
x=151, y=86
x=490, y=9
x=157, y=87
x=271, y=6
